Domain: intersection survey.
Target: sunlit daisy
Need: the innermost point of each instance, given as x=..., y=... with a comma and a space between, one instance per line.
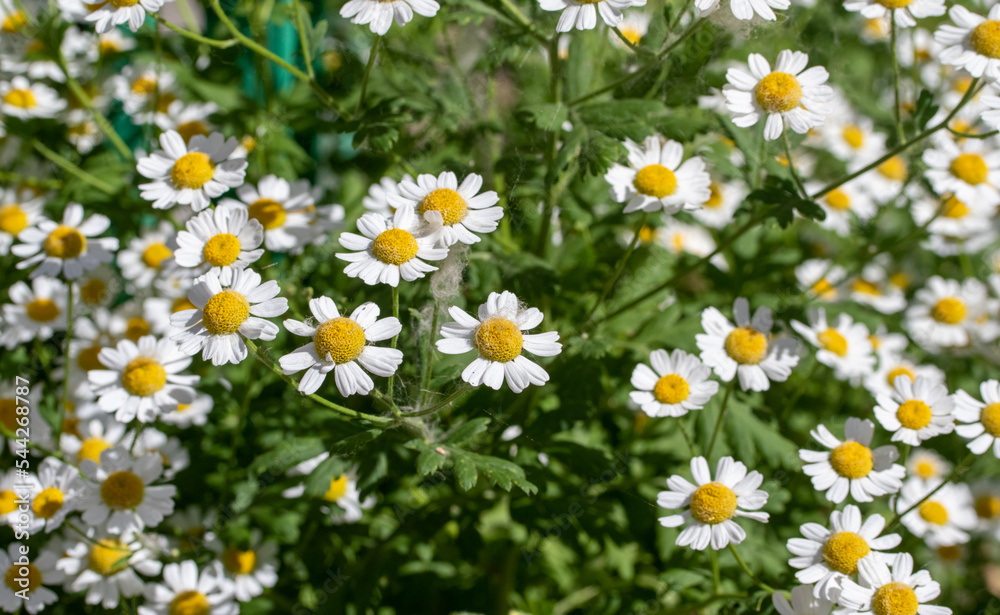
x=803, y=602
x=454, y=212
x=851, y=466
x=875, y=287
x=949, y=313
x=842, y=345
x=35, y=312
x=658, y=178
x=192, y=414
x=960, y=222
x=222, y=240
x=185, y=590
x=710, y=505
x=969, y=170
x=848, y=136
x=343, y=492
x=107, y=567
x=820, y=278
x=377, y=199
x=915, y=410
x=745, y=9
x=188, y=119
x=285, y=209
x=341, y=345
x=190, y=174
x=24, y=100
x=70, y=247
x=845, y=207
x=388, y=250
x=86, y=439
x=633, y=27
x=926, y=465
x=19, y=210
x=973, y=43
x=147, y=255
x=379, y=14
x=107, y=14
x=119, y=493
x=82, y=131
x=725, y=197
x=986, y=503
x=943, y=519
x=26, y=583
x=582, y=14
x=682, y=238
x=895, y=592
x=194, y=526
x=249, y=570
x=96, y=289
x=980, y=420
x=53, y=495
x=677, y=383
x=904, y=12
x=140, y=88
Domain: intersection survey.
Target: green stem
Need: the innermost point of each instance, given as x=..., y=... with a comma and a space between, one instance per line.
x=99, y=119
x=620, y=266
x=746, y=569
x=628, y=44
x=687, y=436
x=66, y=343
x=455, y=394
x=71, y=168
x=395, y=340
x=372, y=55
x=957, y=472
x=722, y=413
x=303, y=41
x=16, y=178
x=969, y=135
x=791, y=165
x=425, y=377
x=801, y=389
x=716, y=580
x=896, y=109
x=204, y=40
x=552, y=184
x=523, y=21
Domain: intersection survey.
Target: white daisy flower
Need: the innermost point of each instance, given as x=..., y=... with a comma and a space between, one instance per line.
x=192, y=414
x=140, y=88
x=381, y=13
x=789, y=93
x=915, y=411
x=341, y=345
x=24, y=100
x=119, y=493
x=899, y=592
x=151, y=440
x=745, y=9
x=113, y=42
x=194, y=525
x=377, y=199
x=904, y=12
x=285, y=209
x=147, y=255
x=991, y=101
x=12, y=19
x=220, y=240
x=343, y=492
x=454, y=212
x=19, y=210
x=948, y=314
x=633, y=27
x=185, y=590
x=849, y=136
x=927, y=465
x=710, y=505
x=25, y=582
x=973, y=43
x=223, y=316
x=388, y=250
x=944, y=519
x=97, y=288
x=188, y=119
x=980, y=420
x=875, y=287
x=658, y=178
x=803, y=602
x=851, y=466
x=677, y=383
x=886, y=181
x=845, y=207
x=746, y=350
x=107, y=567
x=498, y=339
x=953, y=219
x=248, y=570
x=986, y=503
x=35, y=312
x=842, y=345
x=970, y=170
x=191, y=174
x=82, y=131
x=723, y=201
x=582, y=14
x=86, y=439
x=681, y=238
x=110, y=13
x=142, y=381
x=820, y=278
x=827, y=557
x=70, y=247
x=10, y=484
x=53, y=495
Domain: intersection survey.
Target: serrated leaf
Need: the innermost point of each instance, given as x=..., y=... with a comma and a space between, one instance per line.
x=466, y=472
x=546, y=116
x=618, y=119
x=468, y=430
x=287, y=454
x=430, y=461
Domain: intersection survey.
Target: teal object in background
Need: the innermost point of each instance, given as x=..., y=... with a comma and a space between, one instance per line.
x=283, y=40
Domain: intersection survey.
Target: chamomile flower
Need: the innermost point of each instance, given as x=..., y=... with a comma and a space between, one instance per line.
x=658, y=178
x=186, y=590
x=788, y=94
x=119, y=493
x=948, y=313
x=986, y=503
x=248, y=570
x=886, y=181
x=388, y=250
x=86, y=439
x=943, y=519
x=454, y=212
x=582, y=14
x=677, y=383
x=223, y=316
x=633, y=27
x=25, y=100
x=26, y=583
x=980, y=420
x=952, y=219
x=190, y=174
x=904, y=12
x=343, y=492
x=827, y=557
x=915, y=410
x=845, y=206
x=70, y=247
x=142, y=381
x=849, y=136
x=803, y=602
x=969, y=170
x=682, y=238
x=746, y=350
x=973, y=43
x=97, y=288
x=222, y=240
x=10, y=484
x=820, y=278
x=192, y=414
x=82, y=131
x=151, y=440
x=35, y=312
x=341, y=345
x=851, y=466
x=842, y=345
x=19, y=210
x=723, y=201
x=107, y=567
x=377, y=199
x=53, y=495
x=379, y=14
x=895, y=592
x=147, y=255
x=875, y=287
x=745, y=9
x=710, y=505
x=498, y=337
x=188, y=119
x=107, y=15
x=926, y=465
x=139, y=87
x=285, y=209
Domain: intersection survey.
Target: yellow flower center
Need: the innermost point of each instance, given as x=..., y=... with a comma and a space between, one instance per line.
x=8, y=413
x=337, y=490
x=122, y=491
x=136, y=328
x=899, y=280
x=853, y=135
x=875, y=340
x=239, y=562
x=182, y=303
x=94, y=291
x=951, y=553
x=65, y=242
x=88, y=358
x=950, y=311
x=671, y=389
x=852, y=460
x=47, y=503
x=843, y=550
x=144, y=85
x=647, y=234
x=108, y=556
x=118, y=4
x=955, y=209
x=925, y=470
x=900, y=370
x=713, y=503
x=914, y=414
x=865, y=287
x=715, y=199
x=91, y=449
x=446, y=202
x=838, y=199
x=192, y=170
x=190, y=602
x=970, y=168
x=655, y=180
x=13, y=220
x=154, y=255
x=143, y=376
x=990, y=418
x=778, y=92
x=25, y=99
x=746, y=346
x=895, y=599
x=832, y=340
x=341, y=338
x=394, y=246
x=895, y=4
x=8, y=501
x=42, y=310
x=16, y=573
x=499, y=339
x=632, y=35
x=225, y=312
x=823, y=288
x=988, y=506
x=163, y=104
x=13, y=22
x=985, y=39
x=933, y=512
x=191, y=129
x=894, y=169
x=270, y=213
x=221, y=250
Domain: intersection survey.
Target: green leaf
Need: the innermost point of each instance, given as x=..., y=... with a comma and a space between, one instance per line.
x=925, y=109
x=545, y=116
x=466, y=472
x=468, y=430
x=784, y=200
x=287, y=454
x=618, y=119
